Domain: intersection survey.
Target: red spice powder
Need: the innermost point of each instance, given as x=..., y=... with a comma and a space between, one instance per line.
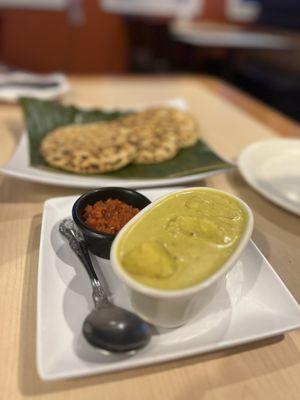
x=108, y=216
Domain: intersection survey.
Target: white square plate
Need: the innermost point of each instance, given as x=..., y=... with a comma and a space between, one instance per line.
x=252, y=304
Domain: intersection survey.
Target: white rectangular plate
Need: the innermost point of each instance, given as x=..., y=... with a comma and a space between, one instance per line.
x=19, y=167
x=252, y=304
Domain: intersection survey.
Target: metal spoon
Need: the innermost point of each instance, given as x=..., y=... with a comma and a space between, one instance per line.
x=107, y=326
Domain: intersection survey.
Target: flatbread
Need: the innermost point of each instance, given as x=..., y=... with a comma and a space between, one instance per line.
x=156, y=149
x=88, y=148
x=146, y=137
x=185, y=126
x=159, y=133
x=151, y=134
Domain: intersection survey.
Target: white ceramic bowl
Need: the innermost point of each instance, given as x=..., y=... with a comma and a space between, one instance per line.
x=172, y=308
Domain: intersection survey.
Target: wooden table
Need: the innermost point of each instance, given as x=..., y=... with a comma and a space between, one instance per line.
x=229, y=120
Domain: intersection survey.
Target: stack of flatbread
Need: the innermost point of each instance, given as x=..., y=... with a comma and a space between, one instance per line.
x=146, y=137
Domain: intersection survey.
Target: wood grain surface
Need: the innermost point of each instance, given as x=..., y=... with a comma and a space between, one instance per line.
x=229, y=120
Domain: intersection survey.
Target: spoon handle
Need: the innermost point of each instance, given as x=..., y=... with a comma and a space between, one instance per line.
x=76, y=241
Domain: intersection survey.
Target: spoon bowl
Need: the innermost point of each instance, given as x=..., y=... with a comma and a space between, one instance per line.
x=115, y=329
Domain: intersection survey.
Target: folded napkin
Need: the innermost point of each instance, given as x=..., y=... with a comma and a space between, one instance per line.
x=14, y=85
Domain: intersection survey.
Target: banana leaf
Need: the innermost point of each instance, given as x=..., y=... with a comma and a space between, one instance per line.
x=42, y=117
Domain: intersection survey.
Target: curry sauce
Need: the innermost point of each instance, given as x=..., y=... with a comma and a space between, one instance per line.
x=184, y=239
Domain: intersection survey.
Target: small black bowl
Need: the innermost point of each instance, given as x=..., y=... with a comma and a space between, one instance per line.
x=100, y=243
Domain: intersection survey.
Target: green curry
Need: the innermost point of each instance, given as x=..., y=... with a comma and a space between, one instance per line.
x=182, y=240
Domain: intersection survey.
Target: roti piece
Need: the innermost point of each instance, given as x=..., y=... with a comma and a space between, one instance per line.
x=186, y=127
x=88, y=148
x=159, y=133
x=156, y=149
x=102, y=134
x=152, y=134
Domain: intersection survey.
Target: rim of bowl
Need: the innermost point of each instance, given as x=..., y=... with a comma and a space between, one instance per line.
x=78, y=219
x=167, y=294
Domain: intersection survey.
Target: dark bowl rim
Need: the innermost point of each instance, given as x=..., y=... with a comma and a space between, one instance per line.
x=78, y=220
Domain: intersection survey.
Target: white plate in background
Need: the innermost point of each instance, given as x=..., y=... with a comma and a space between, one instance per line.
x=252, y=304
x=272, y=167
